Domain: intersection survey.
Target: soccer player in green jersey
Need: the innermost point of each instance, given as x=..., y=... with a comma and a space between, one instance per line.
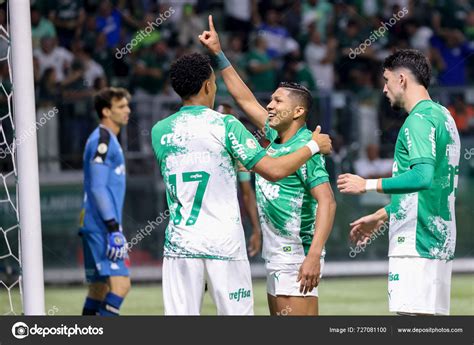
x=421, y=215
x=197, y=150
x=292, y=208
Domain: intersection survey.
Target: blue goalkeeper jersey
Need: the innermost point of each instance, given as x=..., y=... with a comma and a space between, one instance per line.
x=104, y=180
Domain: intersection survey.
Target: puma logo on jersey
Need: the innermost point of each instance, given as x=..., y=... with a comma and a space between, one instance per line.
x=238, y=147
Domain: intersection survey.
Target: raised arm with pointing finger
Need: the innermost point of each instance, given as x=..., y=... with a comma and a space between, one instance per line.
x=236, y=87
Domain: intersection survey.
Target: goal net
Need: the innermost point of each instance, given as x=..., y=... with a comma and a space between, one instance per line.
x=10, y=266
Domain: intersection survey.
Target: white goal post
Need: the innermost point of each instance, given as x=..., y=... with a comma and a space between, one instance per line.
x=26, y=158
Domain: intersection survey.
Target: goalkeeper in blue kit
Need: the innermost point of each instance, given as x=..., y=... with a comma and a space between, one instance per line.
x=105, y=247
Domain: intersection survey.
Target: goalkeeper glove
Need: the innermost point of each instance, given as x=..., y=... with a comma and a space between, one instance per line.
x=116, y=242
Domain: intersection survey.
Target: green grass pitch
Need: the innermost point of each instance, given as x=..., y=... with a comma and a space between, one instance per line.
x=338, y=296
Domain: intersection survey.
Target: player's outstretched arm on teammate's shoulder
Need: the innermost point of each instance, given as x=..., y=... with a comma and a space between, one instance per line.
x=274, y=169
x=235, y=85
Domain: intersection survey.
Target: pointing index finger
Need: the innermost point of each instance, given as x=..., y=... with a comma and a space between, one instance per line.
x=211, y=23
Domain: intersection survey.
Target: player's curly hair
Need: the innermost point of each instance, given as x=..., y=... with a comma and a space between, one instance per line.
x=188, y=73
x=414, y=61
x=300, y=92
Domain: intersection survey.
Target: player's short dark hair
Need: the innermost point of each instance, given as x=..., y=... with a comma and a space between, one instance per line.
x=103, y=98
x=188, y=73
x=414, y=61
x=300, y=92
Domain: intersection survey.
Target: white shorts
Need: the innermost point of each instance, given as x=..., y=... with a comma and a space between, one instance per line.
x=229, y=283
x=281, y=280
x=419, y=285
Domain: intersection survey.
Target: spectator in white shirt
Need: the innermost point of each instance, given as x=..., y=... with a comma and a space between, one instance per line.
x=320, y=57
x=50, y=55
x=372, y=166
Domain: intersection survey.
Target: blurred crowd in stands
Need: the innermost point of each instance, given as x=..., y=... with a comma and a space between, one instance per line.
x=333, y=47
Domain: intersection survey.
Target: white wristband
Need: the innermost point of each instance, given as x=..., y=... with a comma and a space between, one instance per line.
x=371, y=185
x=313, y=146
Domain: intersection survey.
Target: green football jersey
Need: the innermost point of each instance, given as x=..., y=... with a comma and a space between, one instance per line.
x=423, y=224
x=197, y=150
x=286, y=208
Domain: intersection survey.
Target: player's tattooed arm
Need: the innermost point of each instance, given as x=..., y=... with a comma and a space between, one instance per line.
x=237, y=88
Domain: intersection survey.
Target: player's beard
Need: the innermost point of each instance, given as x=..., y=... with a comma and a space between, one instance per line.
x=396, y=104
x=396, y=107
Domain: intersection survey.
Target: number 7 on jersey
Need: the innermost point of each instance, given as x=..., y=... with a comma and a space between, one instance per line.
x=197, y=176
